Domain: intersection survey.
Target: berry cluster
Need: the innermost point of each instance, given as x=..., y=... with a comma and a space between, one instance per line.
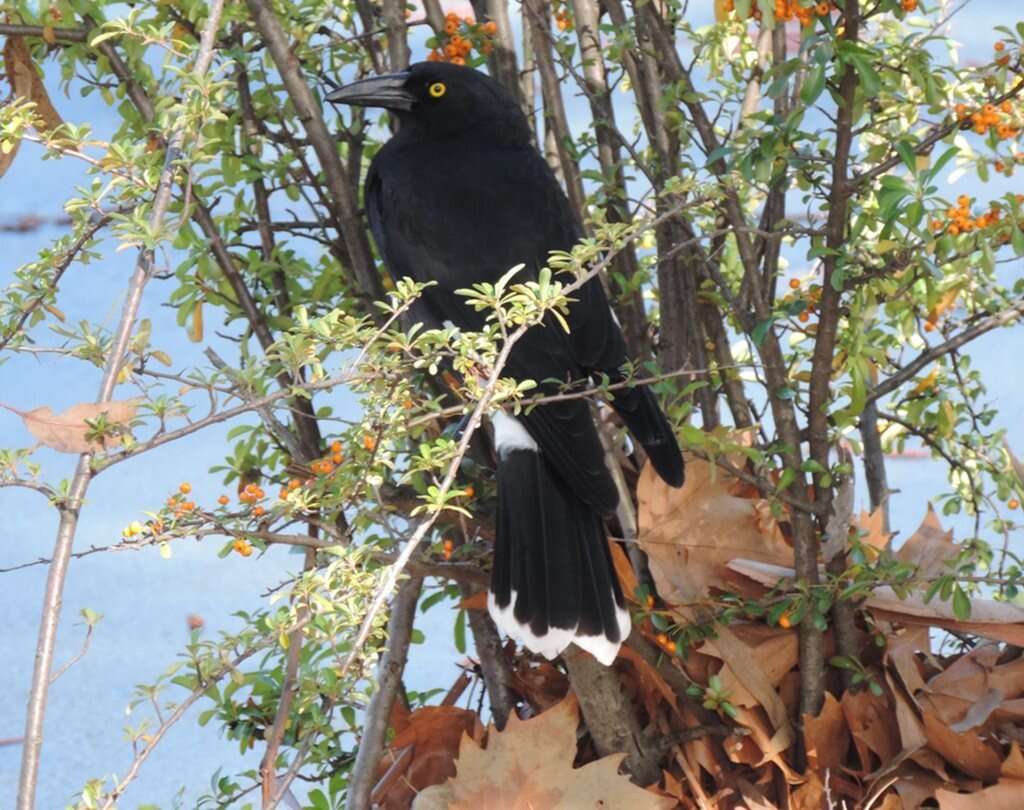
x=562, y=19
x=251, y=494
x=812, y=298
x=786, y=10
x=178, y=503
x=243, y=547
x=461, y=36
x=960, y=220
x=990, y=118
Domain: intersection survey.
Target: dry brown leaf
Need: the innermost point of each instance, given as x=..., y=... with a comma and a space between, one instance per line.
x=745, y=675
x=425, y=751
x=809, y=796
x=873, y=727
x=627, y=576
x=26, y=82
x=1007, y=794
x=529, y=765
x=966, y=751
x=872, y=529
x=901, y=650
x=826, y=737
x=1013, y=765
x=475, y=601
x=929, y=547
x=540, y=683
x=66, y=432
x=1000, y=621
x=691, y=534
x=649, y=681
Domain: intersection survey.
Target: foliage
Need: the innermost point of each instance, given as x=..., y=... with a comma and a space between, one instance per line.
x=774, y=217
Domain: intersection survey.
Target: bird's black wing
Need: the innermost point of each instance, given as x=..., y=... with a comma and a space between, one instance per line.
x=460, y=224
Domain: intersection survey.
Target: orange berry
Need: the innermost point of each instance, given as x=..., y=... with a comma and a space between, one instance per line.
x=470, y=492
x=785, y=622
x=223, y=500
x=407, y=404
x=295, y=483
x=369, y=442
x=1000, y=46
x=337, y=458
x=451, y=26
x=649, y=602
x=954, y=230
x=999, y=166
x=458, y=60
x=490, y=28
x=258, y=511
x=1013, y=503
x=821, y=9
x=185, y=488
x=929, y=326
x=804, y=316
x=243, y=547
x=909, y=5
x=335, y=446
x=435, y=56
x=662, y=639
x=935, y=225
x=794, y=284
x=1006, y=107
x=486, y=48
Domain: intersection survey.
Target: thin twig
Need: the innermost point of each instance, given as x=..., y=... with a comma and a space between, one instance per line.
x=71, y=506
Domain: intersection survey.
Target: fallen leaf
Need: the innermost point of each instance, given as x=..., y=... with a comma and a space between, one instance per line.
x=424, y=752
x=809, y=796
x=529, y=765
x=66, y=432
x=25, y=81
x=1000, y=621
x=1007, y=794
x=691, y=534
x=624, y=570
x=929, y=547
x=1013, y=765
x=872, y=529
x=475, y=601
x=745, y=676
x=966, y=751
x=652, y=685
x=873, y=727
x=826, y=737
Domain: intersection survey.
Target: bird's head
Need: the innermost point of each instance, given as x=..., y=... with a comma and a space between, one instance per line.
x=439, y=99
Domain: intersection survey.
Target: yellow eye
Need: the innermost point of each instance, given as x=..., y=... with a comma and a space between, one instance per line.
x=437, y=89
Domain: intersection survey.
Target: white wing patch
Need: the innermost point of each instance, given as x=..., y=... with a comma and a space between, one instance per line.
x=509, y=434
x=553, y=643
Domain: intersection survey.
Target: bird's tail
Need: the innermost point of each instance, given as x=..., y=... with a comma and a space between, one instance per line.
x=646, y=421
x=553, y=581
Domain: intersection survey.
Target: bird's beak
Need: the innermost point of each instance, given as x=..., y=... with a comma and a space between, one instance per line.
x=387, y=91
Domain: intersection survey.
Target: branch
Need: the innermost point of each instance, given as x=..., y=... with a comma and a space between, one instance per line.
x=979, y=328
x=179, y=711
x=346, y=211
x=274, y=735
x=71, y=506
x=61, y=34
x=389, y=680
x=58, y=271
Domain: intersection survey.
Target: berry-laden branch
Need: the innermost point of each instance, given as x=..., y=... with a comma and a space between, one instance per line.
x=71, y=505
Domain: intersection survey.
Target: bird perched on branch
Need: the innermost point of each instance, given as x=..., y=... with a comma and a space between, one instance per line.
x=458, y=197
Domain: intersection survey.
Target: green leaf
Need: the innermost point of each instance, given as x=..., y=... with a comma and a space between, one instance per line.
x=460, y=631
x=813, y=85
x=961, y=604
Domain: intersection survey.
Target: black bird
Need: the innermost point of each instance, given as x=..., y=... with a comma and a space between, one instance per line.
x=459, y=196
